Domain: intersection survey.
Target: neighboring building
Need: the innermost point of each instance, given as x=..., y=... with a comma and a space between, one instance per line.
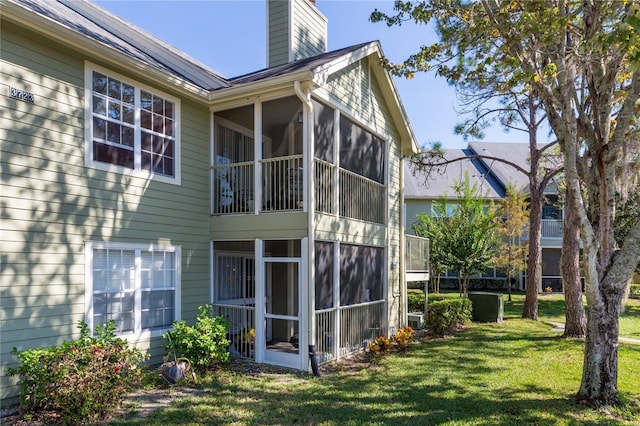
x=138, y=185
x=492, y=178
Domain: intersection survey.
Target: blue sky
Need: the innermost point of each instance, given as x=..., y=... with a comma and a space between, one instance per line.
x=230, y=37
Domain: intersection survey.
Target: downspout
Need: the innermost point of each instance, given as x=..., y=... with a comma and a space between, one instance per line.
x=404, y=308
x=305, y=98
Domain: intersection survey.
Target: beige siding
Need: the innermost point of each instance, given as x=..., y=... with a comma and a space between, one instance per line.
x=52, y=203
x=278, y=33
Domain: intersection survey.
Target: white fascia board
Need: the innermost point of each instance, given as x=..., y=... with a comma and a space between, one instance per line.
x=263, y=87
x=93, y=49
x=408, y=139
x=348, y=59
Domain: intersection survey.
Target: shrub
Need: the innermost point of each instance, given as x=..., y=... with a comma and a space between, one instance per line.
x=445, y=315
x=79, y=381
x=436, y=297
x=403, y=337
x=203, y=344
x=415, y=301
x=634, y=292
x=382, y=344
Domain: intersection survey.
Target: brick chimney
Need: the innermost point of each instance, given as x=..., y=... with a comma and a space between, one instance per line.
x=295, y=30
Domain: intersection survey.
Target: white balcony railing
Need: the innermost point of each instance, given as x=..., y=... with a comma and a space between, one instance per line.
x=416, y=254
x=283, y=189
x=324, y=186
x=351, y=328
x=282, y=183
x=241, y=324
x=233, y=187
x=361, y=198
x=551, y=228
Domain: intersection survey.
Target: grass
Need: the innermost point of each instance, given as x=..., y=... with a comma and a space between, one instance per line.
x=517, y=372
x=551, y=310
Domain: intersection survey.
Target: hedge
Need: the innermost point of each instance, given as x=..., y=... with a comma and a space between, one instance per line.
x=445, y=315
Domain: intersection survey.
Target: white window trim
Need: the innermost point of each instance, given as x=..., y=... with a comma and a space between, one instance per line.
x=138, y=333
x=89, y=68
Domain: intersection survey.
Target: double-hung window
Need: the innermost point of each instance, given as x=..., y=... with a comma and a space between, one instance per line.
x=136, y=286
x=132, y=127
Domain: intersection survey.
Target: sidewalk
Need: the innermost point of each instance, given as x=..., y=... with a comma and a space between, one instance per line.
x=559, y=327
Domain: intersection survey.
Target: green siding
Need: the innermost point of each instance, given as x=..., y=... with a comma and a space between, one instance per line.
x=294, y=37
x=278, y=28
x=292, y=225
x=357, y=90
x=345, y=88
x=52, y=203
x=412, y=208
x=309, y=31
x=328, y=228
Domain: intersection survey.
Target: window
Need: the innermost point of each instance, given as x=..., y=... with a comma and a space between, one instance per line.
x=132, y=127
x=135, y=286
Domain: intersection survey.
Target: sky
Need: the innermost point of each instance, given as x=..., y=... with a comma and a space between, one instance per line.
x=230, y=37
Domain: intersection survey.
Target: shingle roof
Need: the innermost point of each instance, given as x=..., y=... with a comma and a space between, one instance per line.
x=299, y=65
x=438, y=184
x=108, y=29
x=100, y=25
x=87, y=24
x=496, y=174
x=517, y=153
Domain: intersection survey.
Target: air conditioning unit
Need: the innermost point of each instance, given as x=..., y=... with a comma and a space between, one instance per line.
x=416, y=320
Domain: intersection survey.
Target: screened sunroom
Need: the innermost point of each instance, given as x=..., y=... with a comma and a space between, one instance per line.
x=299, y=227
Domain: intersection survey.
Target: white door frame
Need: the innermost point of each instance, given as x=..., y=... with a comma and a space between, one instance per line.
x=298, y=361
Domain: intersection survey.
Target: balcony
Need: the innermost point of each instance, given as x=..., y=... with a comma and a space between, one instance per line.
x=416, y=258
x=282, y=189
x=551, y=228
x=262, y=167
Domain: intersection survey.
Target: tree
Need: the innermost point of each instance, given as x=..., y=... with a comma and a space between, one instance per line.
x=581, y=59
x=463, y=238
x=512, y=221
x=488, y=96
x=434, y=227
x=471, y=235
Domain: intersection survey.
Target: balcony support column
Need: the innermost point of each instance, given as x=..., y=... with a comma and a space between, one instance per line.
x=309, y=206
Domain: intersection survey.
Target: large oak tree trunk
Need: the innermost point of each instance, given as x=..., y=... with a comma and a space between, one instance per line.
x=600, y=372
x=575, y=321
x=605, y=297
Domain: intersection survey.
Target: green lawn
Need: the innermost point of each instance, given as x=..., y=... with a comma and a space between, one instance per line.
x=551, y=309
x=518, y=372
